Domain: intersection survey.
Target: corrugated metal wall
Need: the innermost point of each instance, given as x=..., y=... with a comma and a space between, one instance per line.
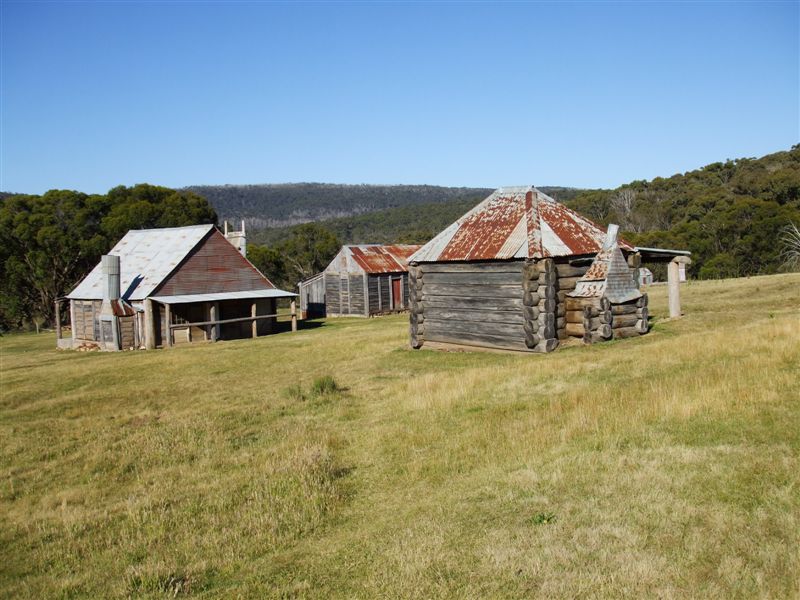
x=214, y=266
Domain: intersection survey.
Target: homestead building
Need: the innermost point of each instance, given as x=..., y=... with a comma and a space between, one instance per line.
x=521, y=271
x=161, y=287
x=361, y=281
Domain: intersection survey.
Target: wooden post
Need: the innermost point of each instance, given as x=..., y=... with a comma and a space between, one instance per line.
x=213, y=312
x=255, y=323
x=167, y=323
x=72, y=320
x=673, y=283
x=58, y=319
x=149, y=325
x=294, y=314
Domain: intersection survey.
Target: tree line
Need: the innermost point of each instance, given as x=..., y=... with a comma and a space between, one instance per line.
x=49, y=242
x=732, y=215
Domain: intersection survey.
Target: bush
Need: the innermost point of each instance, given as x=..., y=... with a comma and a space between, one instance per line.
x=324, y=386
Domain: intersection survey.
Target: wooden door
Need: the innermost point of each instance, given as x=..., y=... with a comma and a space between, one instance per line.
x=397, y=293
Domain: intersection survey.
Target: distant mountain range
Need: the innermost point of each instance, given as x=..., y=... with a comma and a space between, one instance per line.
x=282, y=205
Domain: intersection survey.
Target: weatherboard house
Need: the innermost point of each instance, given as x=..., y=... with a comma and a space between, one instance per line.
x=521, y=271
x=361, y=281
x=160, y=287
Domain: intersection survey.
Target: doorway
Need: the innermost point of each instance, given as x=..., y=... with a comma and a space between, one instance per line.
x=397, y=293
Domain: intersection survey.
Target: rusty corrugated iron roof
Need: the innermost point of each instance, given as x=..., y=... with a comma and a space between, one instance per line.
x=373, y=258
x=515, y=222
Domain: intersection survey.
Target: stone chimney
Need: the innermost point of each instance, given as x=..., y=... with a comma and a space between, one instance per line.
x=237, y=238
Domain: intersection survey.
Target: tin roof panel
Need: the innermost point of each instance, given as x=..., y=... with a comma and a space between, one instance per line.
x=147, y=256
x=373, y=258
x=498, y=227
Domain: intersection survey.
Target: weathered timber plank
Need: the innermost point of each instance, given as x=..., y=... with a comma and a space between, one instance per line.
x=621, y=321
x=467, y=278
x=547, y=345
x=514, y=331
x=547, y=278
x=476, y=267
x=470, y=303
x=477, y=340
x=547, y=265
x=547, y=331
x=575, y=329
x=626, y=332
x=624, y=309
x=574, y=316
x=474, y=291
x=580, y=303
x=567, y=270
x=530, y=313
x=567, y=283
x=513, y=317
x=547, y=305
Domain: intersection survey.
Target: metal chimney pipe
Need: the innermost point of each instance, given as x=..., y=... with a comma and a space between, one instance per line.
x=611, y=237
x=110, y=269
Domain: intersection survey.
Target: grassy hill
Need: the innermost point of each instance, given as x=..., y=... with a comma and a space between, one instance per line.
x=662, y=466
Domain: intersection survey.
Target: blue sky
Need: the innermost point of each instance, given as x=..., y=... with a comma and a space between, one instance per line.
x=587, y=94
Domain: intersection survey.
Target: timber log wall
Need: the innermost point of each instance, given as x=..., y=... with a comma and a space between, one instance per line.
x=511, y=305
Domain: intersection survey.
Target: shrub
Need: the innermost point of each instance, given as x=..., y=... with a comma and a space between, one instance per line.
x=324, y=386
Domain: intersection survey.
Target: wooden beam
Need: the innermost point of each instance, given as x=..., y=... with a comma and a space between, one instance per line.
x=58, y=319
x=673, y=288
x=168, y=321
x=221, y=321
x=216, y=332
x=149, y=325
x=294, y=314
x=255, y=321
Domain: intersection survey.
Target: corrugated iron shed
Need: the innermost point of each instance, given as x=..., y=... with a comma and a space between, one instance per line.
x=515, y=222
x=373, y=258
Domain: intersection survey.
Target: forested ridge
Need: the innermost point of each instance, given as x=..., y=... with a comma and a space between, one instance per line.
x=730, y=214
x=277, y=205
x=48, y=243
x=412, y=223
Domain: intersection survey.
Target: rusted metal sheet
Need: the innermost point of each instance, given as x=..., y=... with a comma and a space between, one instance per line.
x=372, y=258
x=515, y=222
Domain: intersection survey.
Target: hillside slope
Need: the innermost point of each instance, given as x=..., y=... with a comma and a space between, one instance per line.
x=276, y=205
x=663, y=466
x=412, y=223
x=729, y=214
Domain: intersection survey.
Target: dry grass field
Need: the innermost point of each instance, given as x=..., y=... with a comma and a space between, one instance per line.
x=665, y=466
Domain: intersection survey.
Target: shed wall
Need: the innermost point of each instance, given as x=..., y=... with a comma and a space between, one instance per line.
x=312, y=298
x=478, y=303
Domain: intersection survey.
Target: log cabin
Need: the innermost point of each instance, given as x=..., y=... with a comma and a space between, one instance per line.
x=361, y=281
x=169, y=286
x=500, y=277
